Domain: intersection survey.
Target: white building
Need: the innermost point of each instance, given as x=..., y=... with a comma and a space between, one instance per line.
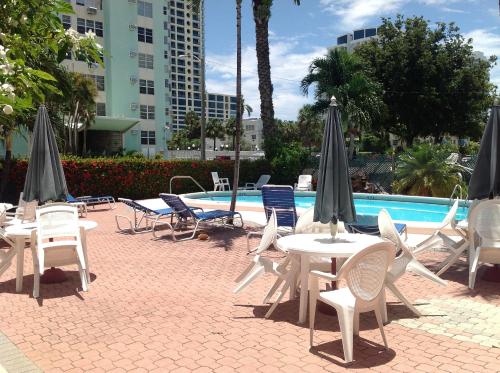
x=352, y=40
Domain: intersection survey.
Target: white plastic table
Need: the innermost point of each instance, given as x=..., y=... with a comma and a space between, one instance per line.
x=306, y=246
x=20, y=234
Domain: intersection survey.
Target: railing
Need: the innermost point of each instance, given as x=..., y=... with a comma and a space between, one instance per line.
x=458, y=189
x=194, y=181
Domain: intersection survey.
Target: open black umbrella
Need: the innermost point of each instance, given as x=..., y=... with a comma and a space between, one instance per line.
x=334, y=199
x=485, y=179
x=45, y=177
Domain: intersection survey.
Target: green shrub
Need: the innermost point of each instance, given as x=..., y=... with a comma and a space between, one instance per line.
x=289, y=163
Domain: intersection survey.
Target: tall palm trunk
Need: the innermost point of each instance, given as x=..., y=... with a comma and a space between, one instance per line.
x=239, y=113
x=261, y=13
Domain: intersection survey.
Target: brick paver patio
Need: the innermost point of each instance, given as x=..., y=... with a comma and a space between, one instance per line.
x=155, y=305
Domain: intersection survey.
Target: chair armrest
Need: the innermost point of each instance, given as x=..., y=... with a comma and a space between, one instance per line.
x=194, y=208
x=249, y=185
x=224, y=179
x=323, y=275
x=83, y=197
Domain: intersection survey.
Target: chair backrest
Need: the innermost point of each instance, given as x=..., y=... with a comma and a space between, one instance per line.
x=304, y=180
x=387, y=229
x=366, y=270
x=269, y=235
x=177, y=204
x=56, y=221
x=26, y=211
x=306, y=224
x=136, y=206
x=215, y=177
x=282, y=199
x=450, y=216
x=263, y=180
x=484, y=220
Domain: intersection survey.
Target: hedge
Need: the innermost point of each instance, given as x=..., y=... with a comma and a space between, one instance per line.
x=140, y=178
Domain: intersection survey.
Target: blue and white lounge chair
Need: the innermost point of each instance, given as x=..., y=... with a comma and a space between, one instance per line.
x=92, y=201
x=143, y=213
x=282, y=200
x=186, y=215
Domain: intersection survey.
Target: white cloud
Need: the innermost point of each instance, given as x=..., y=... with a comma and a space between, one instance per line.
x=488, y=42
x=355, y=13
x=288, y=67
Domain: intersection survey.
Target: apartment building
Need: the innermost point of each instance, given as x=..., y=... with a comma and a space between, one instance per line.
x=221, y=106
x=352, y=40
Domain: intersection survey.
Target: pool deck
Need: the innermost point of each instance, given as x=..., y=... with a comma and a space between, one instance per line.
x=158, y=306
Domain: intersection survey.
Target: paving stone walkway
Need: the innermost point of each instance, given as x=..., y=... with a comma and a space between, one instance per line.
x=155, y=305
x=13, y=360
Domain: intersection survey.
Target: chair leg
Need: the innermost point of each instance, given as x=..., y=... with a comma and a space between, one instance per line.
x=378, y=315
x=355, y=324
x=346, y=322
x=245, y=272
x=272, y=290
x=248, y=279
x=36, y=274
x=280, y=296
x=402, y=298
x=418, y=268
x=383, y=306
x=473, y=268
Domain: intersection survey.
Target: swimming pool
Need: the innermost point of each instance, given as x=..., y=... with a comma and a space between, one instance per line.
x=404, y=208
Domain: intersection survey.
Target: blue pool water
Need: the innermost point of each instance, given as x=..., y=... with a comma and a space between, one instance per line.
x=399, y=210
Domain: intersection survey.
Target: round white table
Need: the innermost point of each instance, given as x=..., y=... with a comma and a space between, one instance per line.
x=306, y=246
x=20, y=235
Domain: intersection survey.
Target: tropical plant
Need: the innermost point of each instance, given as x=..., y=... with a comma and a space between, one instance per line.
x=215, y=129
x=343, y=75
x=433, y=83
x=310, y=126
x=424, y=171
x=261, y=16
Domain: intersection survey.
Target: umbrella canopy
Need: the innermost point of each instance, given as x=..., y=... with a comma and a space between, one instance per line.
x=485, y=180
x=334, y=199
x=45, y=177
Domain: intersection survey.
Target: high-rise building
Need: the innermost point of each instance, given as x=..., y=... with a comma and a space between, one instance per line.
x=221, y=106
x=350, y=41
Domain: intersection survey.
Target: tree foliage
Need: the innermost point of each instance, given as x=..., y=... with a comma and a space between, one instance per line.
x=433, y=83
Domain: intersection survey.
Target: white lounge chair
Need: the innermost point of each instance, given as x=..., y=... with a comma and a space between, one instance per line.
x=304, y=183
x=484, y=224
x=365, y=274
x=405, y=261
x=220, y=183
x=263, y=180
x=57, y=242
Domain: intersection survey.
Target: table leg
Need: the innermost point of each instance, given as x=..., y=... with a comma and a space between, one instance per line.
x=83, y=235
x=304, y=287
x=295, y=270
x=20, y=264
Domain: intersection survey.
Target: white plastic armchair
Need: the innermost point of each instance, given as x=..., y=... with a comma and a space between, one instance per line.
x=404, y=261
x=260, y=264
x=484, y=225
x=220, y=183
x=304, y=183
x=365, y=274
x=57, y=242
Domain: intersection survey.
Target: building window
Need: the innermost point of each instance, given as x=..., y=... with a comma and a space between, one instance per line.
x=98, y=79
x=80, y=2
x=148, y=138
x=98, y=29
x=145, y=35
x=165, y=10
x=66, y=21
x=145, y=9
x=101, y=109
x=147, y=112
x=146, y=87
x=146, y=60
x=80, y=25
x=165, y=54
x=167, y=111
x=84, y=25
x=254, y=137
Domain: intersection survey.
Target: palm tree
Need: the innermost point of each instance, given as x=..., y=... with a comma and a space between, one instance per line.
x=342, y=74
x=423, y=171
x=239, y=107
x=261, y=15
x=215, y=129
x=310, y=127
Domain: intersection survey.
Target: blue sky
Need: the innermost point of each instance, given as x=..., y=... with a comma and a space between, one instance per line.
x=300, y=33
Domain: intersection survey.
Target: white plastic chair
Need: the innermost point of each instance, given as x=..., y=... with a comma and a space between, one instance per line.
x=405, y=261
x=439, y=237
x=260, y=264
x=484, y=228
x=263, y=180
x=57, y=242
x=304, y=183
x=220, y=183
x=365, y=274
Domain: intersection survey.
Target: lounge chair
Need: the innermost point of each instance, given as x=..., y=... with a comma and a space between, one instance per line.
x=374, y=229
x=186, y=215
x=92, y=201
x=220, y=183
x=304, y=183
x=143, y=213
x=263, y=180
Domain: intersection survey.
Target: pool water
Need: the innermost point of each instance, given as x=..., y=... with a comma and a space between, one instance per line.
x=399, y=210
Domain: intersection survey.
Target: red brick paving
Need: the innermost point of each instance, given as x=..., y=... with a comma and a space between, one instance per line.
x=155, y=305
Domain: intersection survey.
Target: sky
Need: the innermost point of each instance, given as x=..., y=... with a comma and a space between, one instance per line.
x=298, y=34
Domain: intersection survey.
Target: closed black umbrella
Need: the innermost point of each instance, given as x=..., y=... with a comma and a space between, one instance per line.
x=334, y=199
x=45, y=177
x=485, y=179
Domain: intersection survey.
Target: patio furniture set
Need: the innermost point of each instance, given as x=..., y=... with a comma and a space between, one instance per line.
x=369, y=263
x=53, y=232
